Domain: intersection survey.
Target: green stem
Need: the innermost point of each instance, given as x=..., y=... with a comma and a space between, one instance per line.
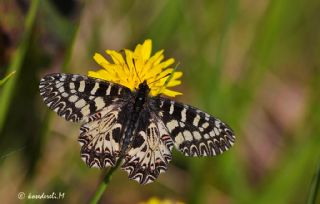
x=102, y=187
x=315, y=187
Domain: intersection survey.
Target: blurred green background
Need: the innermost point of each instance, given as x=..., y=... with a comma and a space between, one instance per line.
x=253, y=64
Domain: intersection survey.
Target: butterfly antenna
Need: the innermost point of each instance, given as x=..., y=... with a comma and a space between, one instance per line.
x=134, y=65
x=160, y=78
x=169, y=78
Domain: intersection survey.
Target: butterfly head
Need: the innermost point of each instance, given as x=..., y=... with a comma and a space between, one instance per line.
x=144, y=87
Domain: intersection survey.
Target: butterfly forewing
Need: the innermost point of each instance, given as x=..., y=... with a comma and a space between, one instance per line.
x=194, y=133
x=75, y=97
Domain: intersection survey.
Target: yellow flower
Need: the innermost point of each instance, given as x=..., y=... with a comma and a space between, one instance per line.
x=155, y=200
x=133, y=67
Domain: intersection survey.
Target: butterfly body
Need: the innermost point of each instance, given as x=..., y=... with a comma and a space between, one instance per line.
x=140, y=97
x=132, y=126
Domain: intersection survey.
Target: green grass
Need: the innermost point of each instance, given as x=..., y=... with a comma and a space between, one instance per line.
x=15, y=65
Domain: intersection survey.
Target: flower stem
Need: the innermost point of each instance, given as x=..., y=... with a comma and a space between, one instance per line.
x=102, y=187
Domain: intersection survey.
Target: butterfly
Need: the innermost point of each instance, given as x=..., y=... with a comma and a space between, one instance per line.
x=132, y=126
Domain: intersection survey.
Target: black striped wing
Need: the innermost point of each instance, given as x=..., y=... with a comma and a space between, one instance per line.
x=164, y=123
x=101, y=137
x=150, y=149
x=194, y=132
x=102, y=105
x=75, y=97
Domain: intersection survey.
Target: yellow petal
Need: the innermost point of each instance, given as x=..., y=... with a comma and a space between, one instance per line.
x=177, y=75
x=129, y=59
x=111, y=69
x=164, y=74
x=101, y=74
x=137, y=52
x=116, y=56
x=167, y=63
x=94, y=74
x=173, y=83
x=170, y=93
x=156, y=57
x=152, y=74
x=100, y=59
x=146, y=49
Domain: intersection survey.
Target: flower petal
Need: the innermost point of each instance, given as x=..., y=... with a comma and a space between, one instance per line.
x=156, y=57
x=116, y=56
x=129, y=59
x=146, y=49
x=100, y=60
x=170, y=93
x=173, y=83
x=177, y=75
x=100, y=74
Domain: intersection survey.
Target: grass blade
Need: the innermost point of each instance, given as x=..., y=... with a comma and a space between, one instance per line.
x=315, y=187
x=15, y=65
x=2, y=81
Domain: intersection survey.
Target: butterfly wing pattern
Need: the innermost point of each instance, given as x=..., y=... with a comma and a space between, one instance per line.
x=193, y=132
x=100, y=137
x=150, y=151
x=104, y=108
x=75, y=97
x=95, y=102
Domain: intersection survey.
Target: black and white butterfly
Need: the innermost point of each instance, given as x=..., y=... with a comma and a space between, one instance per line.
x=131, y=125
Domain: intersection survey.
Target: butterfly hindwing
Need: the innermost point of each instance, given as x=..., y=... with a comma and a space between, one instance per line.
x=150, y=150
x=194, y=132
x=101, y=137
x=75, y=97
